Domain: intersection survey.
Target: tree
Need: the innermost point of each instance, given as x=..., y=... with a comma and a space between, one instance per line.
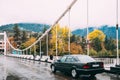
x=44, y=29
x=96, y=34
x=16, y=32
x=97, y=38
x=28, y=42
x=83, y=44
x=17, y=36
x=73, y=38
x=76, y=49
x=11, y=40
x=44, y=46
x=103, y=52
x=92, y=52
x=110, y=44
x=24, y=36
x=96, y=44
x=62, y=38
x=35, y=35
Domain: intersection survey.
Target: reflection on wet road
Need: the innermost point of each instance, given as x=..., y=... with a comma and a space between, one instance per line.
x=19, y=69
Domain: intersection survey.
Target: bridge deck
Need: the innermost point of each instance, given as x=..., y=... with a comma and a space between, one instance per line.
x=107, y=65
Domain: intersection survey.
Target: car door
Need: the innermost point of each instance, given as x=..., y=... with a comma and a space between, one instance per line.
x=61, y=63
x=69, y=63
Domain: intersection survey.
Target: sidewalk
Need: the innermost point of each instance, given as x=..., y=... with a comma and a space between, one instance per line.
x=47, y=59
x=37, y=57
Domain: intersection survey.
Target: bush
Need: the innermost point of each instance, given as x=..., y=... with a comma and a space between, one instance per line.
x=103, y=53
x=92, y=52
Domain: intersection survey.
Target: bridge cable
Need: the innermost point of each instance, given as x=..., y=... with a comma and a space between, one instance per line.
x=46, y=32
x=74, y=1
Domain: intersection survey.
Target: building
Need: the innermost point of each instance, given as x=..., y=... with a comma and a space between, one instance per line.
x=1, y=46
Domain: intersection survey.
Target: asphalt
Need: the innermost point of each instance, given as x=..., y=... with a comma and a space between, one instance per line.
x=23, y=69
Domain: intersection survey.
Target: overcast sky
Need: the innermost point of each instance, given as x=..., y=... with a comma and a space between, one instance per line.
x=101, y=12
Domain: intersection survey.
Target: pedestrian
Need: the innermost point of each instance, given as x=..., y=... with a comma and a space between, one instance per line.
x=51, y=57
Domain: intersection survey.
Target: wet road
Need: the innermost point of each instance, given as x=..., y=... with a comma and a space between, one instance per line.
x=19, y=69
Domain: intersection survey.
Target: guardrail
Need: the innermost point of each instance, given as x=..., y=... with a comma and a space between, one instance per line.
x=106, y=61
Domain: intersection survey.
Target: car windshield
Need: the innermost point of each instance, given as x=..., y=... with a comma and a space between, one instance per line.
x=85, y=59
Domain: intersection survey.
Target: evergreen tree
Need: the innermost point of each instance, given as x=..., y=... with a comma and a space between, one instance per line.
x=44, y=29
x=83, y=43
x=24, y=36
x=110, y=44
x=96, y=43
x=72, y=38
x=17, y=36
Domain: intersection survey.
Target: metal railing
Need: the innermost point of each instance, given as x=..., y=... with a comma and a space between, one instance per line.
x=107, y=60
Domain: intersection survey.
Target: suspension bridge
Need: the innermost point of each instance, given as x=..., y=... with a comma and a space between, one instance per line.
x=26, y=53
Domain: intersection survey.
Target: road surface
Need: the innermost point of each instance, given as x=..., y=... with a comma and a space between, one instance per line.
x=21, y=69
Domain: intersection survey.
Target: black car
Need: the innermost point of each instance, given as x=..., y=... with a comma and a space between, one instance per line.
x=77, y=65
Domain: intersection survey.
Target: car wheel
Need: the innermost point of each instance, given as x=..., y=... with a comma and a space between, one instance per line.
x=53, y=69
x=74, y=73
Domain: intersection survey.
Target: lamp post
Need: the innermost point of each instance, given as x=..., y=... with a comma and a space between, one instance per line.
x=87, y=41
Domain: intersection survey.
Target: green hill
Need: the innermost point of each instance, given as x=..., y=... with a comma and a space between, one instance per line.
x=25, y=26
x=109, y=31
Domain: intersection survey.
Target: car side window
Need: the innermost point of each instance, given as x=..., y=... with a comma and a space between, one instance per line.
x=63, y=59
x=70, y=59
x=76, y=59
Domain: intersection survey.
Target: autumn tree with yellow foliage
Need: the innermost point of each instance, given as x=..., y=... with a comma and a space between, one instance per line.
x=97, y=38
x=96, y=34
x=29, y=42
x=11, y=40
x=76, y=48
x=62, y=41
x=62, y=37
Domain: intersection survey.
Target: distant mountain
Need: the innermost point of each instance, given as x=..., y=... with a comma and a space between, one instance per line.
x=109, y=31
x=25, y=26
